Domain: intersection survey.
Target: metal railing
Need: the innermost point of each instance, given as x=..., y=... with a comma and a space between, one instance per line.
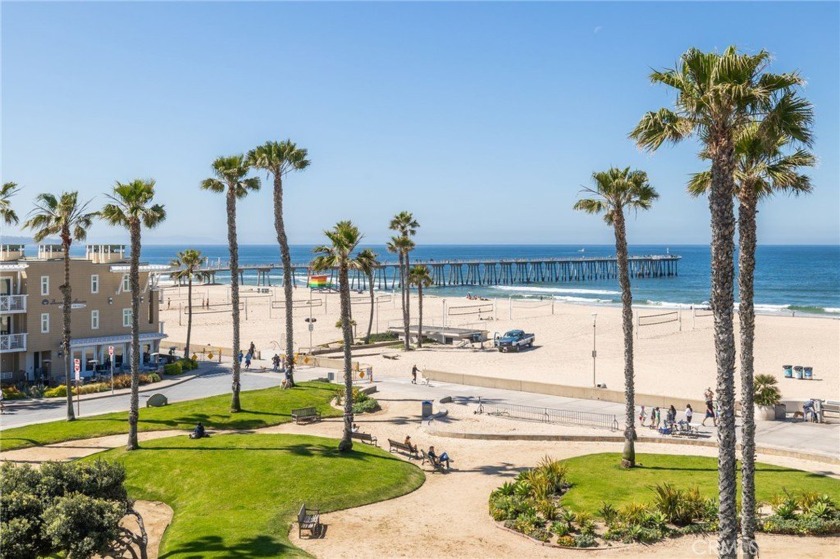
x=12, y=342
x=12, y=303
x=549, y=415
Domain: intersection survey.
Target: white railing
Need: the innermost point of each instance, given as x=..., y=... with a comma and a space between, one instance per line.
x=12, y=303
x=12, y=342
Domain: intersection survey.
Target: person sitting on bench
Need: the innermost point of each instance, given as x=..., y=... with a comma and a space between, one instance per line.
x=198, y=432
x=412, y=447
x=443, y=458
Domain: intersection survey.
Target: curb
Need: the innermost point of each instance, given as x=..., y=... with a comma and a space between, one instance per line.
x=771, y=450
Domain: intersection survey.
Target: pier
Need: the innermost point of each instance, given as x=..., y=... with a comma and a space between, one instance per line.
x=450, y=273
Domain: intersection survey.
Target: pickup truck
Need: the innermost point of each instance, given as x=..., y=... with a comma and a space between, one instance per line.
x=514, y=340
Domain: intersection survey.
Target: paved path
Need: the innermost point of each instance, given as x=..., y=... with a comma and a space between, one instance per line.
x=822, y=439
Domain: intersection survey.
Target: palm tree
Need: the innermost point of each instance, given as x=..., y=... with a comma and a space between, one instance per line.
x=344, y=238
x=420, y=276
x=718, y=95
x=405, y=224
x=279, y=159
x=131, y=207
x=763, y=167
x=367, y=263
x=66, y=217
x=615, y=190
x=188, y=263
x=7, y=214
x=230, y=178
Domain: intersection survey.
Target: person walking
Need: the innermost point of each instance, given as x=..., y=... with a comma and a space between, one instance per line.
x=688, y=413
x=414, y=370
x=248, y=361
x=275, y=361
x=710, y=413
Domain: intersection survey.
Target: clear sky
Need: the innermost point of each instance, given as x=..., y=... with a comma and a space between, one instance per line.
x=483, y=119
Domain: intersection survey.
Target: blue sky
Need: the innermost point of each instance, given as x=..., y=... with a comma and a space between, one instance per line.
x=482, y=119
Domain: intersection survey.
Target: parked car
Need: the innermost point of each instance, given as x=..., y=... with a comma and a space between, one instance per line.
x=513, y=340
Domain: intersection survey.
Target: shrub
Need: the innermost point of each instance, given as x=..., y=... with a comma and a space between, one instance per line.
x=82, y=525
x=59, y=391
x=540, y=534
x=383, y=337
x=608, y=513
x=765, y=390
x=12, y=393
x=585, y=540
x=187, y=364
x=567, y=541
x=173, y=368
x=561, y=529
x=366, y=406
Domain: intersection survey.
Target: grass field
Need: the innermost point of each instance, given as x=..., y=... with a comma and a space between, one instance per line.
x=598, y=478
x=236, y=495
x=260, y=408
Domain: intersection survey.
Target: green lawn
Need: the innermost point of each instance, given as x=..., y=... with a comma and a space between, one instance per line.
x=260, y=408
x=236, y=495
x=596, y=478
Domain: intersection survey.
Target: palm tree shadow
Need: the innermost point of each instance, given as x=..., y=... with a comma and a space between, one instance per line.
x=259, y=546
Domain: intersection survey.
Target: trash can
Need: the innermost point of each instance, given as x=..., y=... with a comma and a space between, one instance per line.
x=797, y=372
x=808, y=372
x=788, y=371
x=330, y=376
x=427, y=408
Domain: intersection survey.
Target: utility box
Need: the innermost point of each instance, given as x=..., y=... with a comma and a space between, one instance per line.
x=330, y=376
x=427, y=408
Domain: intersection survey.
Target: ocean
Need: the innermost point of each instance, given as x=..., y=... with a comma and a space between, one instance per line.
x=801, y=279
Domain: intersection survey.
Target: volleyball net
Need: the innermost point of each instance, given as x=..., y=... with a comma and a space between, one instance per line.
x=659, y=323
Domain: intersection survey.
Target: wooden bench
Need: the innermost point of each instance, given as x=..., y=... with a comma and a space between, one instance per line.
x=402, y=447
x=156, y=401
x=308, y=519
x=828, y=406
x=305, y=415
x=365, y=438
x=436, y=464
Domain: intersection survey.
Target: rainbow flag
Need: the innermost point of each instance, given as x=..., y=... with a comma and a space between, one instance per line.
x=317, y=282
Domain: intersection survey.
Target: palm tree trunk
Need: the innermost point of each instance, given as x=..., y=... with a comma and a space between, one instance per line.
x=372, y=303
x=134, y=284
x=344, y=294
x=288, y=274
x=420, y=315
x=746, y=312
x=722, y=301
x=628, y=456
x=407, y=307
x=189, y=315
x=234, y=295
x=403, y=278
x=67, y=305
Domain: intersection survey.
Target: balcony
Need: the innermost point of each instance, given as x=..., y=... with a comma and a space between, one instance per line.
x=10, y=343
x=12, y=304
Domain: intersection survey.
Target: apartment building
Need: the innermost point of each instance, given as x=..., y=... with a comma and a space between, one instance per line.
x=31, y=318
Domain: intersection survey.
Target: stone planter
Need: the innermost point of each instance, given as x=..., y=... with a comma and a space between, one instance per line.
x=770, y=413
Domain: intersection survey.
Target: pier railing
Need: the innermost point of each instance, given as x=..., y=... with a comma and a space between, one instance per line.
x=549, y=415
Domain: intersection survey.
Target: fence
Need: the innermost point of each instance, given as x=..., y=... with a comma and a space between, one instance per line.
x=550, y=415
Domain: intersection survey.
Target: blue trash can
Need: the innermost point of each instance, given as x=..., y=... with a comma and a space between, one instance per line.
x=788, y=371
x=797, y=372
x=808, y=372
x=427, y=408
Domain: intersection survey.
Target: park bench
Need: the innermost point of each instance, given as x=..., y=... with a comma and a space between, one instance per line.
x=392, y=444
x=308, y=519
x=392, y=356
x=436, y=464
x=156, y=401
x=365, y=438
x=828, y=406
x=304, y=415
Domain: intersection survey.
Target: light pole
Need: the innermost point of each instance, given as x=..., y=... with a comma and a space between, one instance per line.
x=594, y=351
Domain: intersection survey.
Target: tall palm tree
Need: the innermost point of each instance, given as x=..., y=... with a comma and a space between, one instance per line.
x=718, y=95
x=344, y=238
x=188, y=264
x=764, y=166
x=616, y=190
x=7, y=214
x=420, y=276
x=66, y=217
x=279, y=159
x=366, y=262
x=230, y=177
x=404, y=224
x=131, y=206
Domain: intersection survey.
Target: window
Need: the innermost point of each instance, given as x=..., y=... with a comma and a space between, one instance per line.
x=126, y=286
x=45, y=323
x=45, y=285
x=94, y=320
x=94, y=283
x=127, y=318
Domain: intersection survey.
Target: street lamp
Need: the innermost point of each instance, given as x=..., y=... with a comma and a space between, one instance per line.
x=594, y=351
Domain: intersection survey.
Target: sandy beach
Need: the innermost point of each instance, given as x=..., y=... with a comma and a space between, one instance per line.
x=675, y=359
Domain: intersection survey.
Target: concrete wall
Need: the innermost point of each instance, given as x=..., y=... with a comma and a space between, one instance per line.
x=579, y=392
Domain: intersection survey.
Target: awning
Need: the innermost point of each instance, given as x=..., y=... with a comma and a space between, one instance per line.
x=113, y=340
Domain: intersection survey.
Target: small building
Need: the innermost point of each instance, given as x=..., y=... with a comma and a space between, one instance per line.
x=31, y=318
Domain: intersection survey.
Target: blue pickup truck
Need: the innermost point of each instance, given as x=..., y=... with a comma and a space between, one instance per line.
x=513, y=340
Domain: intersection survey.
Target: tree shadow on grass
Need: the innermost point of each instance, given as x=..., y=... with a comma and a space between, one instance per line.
x=300, y=449
x=259, y=546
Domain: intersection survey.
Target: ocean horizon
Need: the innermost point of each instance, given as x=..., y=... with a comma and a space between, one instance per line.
x=789, y=278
